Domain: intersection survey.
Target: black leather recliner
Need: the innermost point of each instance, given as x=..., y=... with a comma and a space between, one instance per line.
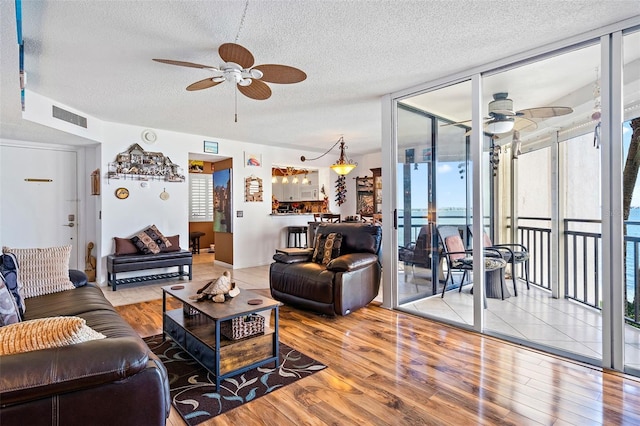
x=346, y=283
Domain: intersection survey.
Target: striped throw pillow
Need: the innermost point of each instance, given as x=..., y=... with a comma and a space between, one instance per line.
x=43, y=270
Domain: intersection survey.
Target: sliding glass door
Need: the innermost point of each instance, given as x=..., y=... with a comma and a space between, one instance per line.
x=433, y=175
x=559, y=158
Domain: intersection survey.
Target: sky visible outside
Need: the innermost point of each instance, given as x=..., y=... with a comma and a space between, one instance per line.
x=451, y=188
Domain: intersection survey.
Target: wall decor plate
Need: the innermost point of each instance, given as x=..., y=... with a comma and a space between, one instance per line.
x=149, y=136
x=164, y=195
x=122, y=193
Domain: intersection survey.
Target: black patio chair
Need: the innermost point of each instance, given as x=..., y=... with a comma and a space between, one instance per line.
x=513, y=253
x=461, y=259
x=418, y=253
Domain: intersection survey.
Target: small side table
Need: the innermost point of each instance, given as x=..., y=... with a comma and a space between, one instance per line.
x=195, y=241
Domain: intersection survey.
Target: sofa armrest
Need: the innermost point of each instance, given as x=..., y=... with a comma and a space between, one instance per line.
x=351, y=262
x=37, y=374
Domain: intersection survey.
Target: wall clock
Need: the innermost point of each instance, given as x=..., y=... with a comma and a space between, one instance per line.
x=122, y=193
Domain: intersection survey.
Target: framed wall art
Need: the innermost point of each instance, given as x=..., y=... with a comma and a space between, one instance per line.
x=211, y=147
x=252, y=160
x=252, y=189
x=222, y=201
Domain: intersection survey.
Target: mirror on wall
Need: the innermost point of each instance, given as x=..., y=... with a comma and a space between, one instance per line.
x=294, y=184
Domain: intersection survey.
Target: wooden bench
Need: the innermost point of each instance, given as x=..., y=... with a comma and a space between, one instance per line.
x=139, y=262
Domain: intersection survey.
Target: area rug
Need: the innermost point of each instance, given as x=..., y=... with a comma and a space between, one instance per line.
x=193, y=388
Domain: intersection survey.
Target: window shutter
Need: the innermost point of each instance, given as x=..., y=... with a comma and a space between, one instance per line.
x=200, y=197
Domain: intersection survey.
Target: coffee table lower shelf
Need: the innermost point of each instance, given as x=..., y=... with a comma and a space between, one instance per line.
x=199, y=336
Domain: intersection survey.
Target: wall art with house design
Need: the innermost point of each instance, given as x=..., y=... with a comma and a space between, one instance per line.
x=137, y=164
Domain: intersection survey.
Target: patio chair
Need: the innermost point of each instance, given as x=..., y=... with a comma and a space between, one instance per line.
x=461, y=259
x=513, y=254
x=417, y=253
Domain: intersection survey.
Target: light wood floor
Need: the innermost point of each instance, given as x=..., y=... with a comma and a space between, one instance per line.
x=390, y=368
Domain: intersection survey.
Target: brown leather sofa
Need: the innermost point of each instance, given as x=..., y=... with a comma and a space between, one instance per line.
x=345, y=284
x=112, y=381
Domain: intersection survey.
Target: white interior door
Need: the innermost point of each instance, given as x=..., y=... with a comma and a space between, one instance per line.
x=39, y=198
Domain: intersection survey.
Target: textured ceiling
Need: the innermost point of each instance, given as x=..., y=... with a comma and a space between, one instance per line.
x=95, y=56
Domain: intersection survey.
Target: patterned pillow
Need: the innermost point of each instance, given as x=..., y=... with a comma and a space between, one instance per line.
x=327, y=248
x=9, y=313
x=150, y=240
x=44, y=333
x=43, y=270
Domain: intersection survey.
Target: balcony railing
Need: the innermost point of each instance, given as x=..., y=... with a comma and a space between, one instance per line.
x=582, y=248
x=581, y=277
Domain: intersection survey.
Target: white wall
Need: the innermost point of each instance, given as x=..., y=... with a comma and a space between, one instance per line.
x=256, y=234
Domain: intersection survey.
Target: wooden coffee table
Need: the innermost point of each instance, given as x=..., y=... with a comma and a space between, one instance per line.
x=199, y=333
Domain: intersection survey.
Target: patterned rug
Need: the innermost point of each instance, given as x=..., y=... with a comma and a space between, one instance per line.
x=193, y=388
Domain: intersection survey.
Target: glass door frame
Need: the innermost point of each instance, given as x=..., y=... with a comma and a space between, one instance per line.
x=610, y=39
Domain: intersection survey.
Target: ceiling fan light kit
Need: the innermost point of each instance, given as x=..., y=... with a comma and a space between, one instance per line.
x=500, y=126
x=503, y=119
x=238, y=69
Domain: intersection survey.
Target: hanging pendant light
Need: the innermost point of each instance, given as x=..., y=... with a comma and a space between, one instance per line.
x=343, y=166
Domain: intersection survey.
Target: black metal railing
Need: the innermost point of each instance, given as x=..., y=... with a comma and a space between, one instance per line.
x=537, y=240
x=582, y=263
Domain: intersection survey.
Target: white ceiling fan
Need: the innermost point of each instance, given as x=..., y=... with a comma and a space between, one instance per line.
x=503, y=119
x=238, y=68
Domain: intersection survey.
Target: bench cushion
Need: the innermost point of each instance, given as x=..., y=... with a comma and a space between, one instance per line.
x=135, y=262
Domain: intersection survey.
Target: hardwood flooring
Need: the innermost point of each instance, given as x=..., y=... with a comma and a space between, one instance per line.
x=391, y=368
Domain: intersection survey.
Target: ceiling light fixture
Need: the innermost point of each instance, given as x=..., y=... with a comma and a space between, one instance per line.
x=500, y=126
x=343, y=166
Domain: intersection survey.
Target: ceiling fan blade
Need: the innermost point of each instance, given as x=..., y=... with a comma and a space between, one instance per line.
x=231, y=52
x=281, y=74
x=256, y=90
x=456, y=123
x=522, y=124
x=544, y=112
x=203, y=84
x=183, y=64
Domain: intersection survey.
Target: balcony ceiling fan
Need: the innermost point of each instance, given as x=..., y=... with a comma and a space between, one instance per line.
x=503, y=119
x=238, y=69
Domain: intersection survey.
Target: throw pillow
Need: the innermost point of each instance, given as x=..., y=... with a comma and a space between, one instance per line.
x=9, y=271
x=124, y=246
x=327, y=248
x=175, y=244
x=9, y=313
x=43, y=270
x=150, y=240
x=44, y=333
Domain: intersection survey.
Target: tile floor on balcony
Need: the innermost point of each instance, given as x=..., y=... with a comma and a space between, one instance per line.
x=531, y=316
x=534, y=315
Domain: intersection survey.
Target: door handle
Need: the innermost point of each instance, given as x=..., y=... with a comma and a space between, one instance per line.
x=70, y=225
